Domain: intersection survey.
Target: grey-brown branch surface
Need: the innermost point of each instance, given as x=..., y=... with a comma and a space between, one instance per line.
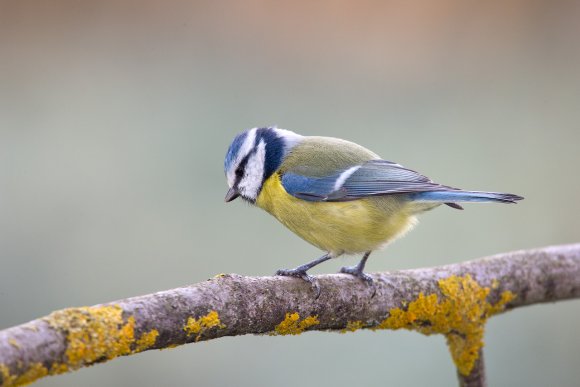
x=454, y=300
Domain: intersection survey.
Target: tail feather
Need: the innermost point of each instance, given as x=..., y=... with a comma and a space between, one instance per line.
x=452, y=197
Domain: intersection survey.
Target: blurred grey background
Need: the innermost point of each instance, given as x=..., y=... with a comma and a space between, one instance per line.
x=115, y=117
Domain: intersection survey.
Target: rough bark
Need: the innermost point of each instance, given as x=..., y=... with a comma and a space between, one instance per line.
x=453, y=300
x=476, y=377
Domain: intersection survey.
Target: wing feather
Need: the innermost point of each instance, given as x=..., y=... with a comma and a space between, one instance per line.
x=372, y=178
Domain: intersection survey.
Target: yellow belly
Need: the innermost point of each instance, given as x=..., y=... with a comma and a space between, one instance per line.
x=338, y=227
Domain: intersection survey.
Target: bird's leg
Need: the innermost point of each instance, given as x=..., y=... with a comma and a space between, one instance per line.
x=357, y=270
x=300, y=272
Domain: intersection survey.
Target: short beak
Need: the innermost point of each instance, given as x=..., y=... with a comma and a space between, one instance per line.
x=232, y=194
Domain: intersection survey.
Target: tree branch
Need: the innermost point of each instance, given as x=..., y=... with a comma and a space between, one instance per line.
x=454, y=300
x=476, y=378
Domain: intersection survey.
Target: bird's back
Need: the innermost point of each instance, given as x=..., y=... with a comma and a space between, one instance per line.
x=317, y=156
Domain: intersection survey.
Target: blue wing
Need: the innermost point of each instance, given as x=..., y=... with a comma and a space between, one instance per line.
x=375, y=177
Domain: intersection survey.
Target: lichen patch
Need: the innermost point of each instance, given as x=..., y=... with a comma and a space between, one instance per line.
x=146, y=341
x=460, y=315
x=198, y=326
x=94, y=333
x=34, y=371
x=352, y=326
x=292, y=325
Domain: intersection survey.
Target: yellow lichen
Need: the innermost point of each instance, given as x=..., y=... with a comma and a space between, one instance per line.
x=291, y=325
x=34, y=371
x=94, y=333
x=352, y=326
x=146, y=341
x=58, y=368
x=499, y=306
x=460, y=315
x=198, y=326
x=5, y=373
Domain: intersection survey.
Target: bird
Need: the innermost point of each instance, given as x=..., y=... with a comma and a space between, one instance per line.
x=337, y=195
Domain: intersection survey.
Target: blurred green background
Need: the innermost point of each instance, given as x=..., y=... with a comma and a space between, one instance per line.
x=115, y=117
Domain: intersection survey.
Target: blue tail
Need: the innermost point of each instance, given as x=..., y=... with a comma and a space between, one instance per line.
x=451, y=197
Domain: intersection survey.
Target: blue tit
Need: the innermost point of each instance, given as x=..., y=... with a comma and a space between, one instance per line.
x=335, y=194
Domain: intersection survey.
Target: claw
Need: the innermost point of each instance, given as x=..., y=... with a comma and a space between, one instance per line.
x=358, y=273
x=302, y=275
x=355, y=271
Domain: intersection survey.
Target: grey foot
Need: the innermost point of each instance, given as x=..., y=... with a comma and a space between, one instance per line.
x=358, y=273
x=302, y=275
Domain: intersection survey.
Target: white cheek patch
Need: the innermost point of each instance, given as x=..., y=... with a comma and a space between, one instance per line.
x=250, y=184
x=245, y=148
x=343, y=176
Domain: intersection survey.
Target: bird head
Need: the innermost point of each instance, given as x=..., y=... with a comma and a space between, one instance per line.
x=253, y=156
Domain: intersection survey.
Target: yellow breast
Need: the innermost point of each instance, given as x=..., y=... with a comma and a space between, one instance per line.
x=338, y=227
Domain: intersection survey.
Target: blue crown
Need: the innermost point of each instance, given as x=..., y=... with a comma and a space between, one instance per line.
x=275, y=149
x=234, y=149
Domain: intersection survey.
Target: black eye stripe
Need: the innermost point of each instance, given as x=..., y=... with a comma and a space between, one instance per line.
x=241, y=167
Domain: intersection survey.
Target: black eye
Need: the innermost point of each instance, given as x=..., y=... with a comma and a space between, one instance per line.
x=239, y=172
